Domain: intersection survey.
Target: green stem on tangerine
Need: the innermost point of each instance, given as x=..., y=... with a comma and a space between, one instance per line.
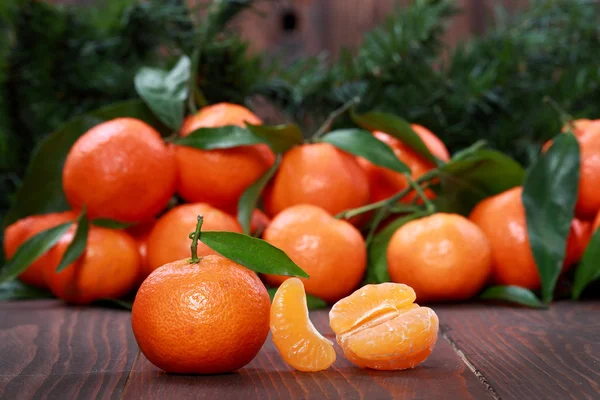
x=333, y=116
x=195, y=236
x=417, y=187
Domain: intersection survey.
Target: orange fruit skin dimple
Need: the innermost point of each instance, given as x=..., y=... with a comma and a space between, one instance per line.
x=320, y=245
x=220, y=176
x=169, y=239
x=108, y=268
x=317, y=174
x=120, y=169
x=24, y=229
x=380, y=327
x=205, y=318
x=443, y=257
x=294, y=335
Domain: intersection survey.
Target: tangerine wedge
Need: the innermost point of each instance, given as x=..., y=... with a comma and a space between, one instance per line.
x=380, y=327
x=295, y=337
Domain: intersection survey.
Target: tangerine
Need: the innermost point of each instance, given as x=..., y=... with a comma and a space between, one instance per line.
x=205, y=317
x=120, y=169
x=219, y=177
x=141, y=233
x=317, y=174
x=319, y=244
x=380, y=327
x=19, y=232
x=108, y=269
x=384, y=183
x=169, y=239
x=443, y=257
x=259, y=222
x=294, y=336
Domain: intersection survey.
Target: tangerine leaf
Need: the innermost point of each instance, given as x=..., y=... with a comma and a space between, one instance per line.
x=17, y=290
x=363, y=144
x=589, y=268
x=253, y=253
x=280, y=138
x=219, y=138
x=377, y=268
x=111, y=223
x=41, y=191
x=165, y=91
x=32, y=249
x=396, y=127
x=78, y=244
x=312, y=302
x=474, y=175
x=513, y=294
x=249, y=198
x=549, y=197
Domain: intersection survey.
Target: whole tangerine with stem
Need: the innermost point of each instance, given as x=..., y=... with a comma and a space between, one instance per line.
x=108, y=268
x=19, y=232
x=443, y=257
x=502, y=219
x=317, y=174
x=168, y=241
x=381, y=327
x=219, y=177
x=384, y=183
x=319, y=244
x=120, y=169
x=201, y=315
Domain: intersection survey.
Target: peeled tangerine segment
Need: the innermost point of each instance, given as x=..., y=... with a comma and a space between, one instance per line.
x=380, y=327
x=296, y=338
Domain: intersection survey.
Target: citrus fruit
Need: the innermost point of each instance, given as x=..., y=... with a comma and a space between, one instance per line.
x=383, y=182
x=595, y=224
x=443, y=257
x=19, y=232
x=203, y=318
x=580, y=233
x=317, y=174
x=140, y=234
x=587, y=133
x=380, y=327
x=295, y=337
x=219, y=177
x=108, y=268
x=169, y=239
x=502, y=219
x=319, y=244
x=120, y=169
x=259, y=222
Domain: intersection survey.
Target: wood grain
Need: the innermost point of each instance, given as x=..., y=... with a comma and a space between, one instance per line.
x=442, y=376
x=50, y=351
x=530, y=354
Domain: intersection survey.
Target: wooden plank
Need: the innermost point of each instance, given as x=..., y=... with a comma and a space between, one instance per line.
x=52, y=351
x=442, y=376
x=530, y=354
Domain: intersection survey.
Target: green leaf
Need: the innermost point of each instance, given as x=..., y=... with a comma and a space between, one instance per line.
x=31, y=250
x=78, y=244
x=313, y=303
x=223, y=137
x=513, y=294
x=549, y=197
x=377, y=268
x=589, y=268
x=280, y=138
x=467, y=180
x=111, y=223
x=41, y=191
x=251, y=195
x=364, y=144
x=396, y=127
x=17, y=290
x=252, y=253
x=165, y=91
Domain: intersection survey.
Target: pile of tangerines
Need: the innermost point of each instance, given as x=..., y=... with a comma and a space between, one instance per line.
x=209, y=314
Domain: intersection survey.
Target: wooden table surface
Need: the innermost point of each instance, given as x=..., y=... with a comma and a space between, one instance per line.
x=49, y=350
